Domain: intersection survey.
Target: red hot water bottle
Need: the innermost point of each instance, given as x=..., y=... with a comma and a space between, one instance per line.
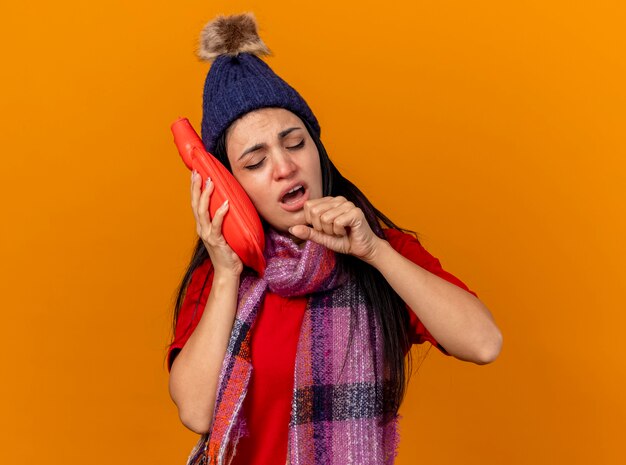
x=242, y=226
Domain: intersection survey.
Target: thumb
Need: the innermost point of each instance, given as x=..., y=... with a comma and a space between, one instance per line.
x=301, y=231
x=307, y=233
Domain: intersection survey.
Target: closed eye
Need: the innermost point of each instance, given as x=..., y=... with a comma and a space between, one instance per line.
x=255, y=166
x=299, y=146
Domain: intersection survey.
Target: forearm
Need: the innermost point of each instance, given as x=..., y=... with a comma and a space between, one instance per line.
x=195, y=372
x=458, y=320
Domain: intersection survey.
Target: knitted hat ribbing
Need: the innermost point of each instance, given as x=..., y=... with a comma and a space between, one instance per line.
x=238, y=80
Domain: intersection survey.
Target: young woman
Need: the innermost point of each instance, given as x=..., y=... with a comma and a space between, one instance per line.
x=307, y=364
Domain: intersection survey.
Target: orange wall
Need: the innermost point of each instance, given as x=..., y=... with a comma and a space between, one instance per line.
x=494, y=129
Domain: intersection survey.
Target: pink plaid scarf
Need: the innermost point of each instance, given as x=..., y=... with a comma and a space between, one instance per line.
x=337, y=405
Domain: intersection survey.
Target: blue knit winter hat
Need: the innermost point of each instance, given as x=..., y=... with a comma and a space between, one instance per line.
x=238, y=80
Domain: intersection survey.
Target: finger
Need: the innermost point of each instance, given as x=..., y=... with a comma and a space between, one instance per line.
x=347, y=220
x=218, y=220
x=310, y=207
x=314, y=209
x=314, y=203
x=301, y=231
x=195, y=194
x=328, y=198
x=338, y=244
x=328, y=219
x=203, y=215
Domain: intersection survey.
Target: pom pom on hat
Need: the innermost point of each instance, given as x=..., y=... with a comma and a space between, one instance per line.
x=231, y=35
x=239, y=81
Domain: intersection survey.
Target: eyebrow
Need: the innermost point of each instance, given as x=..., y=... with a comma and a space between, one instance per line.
x=281, y=135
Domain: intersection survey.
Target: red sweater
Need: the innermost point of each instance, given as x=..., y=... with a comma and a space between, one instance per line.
x=274, y=340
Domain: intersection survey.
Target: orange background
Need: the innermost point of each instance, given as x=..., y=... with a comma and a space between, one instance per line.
x=493, y=129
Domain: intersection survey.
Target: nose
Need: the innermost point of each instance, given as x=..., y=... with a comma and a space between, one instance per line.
x=284, y=166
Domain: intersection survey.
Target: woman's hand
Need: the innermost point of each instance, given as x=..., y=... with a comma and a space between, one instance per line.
x=223, y=259
x=339, y=225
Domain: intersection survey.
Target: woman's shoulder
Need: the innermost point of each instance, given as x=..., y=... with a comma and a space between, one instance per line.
x=399, y=239
x=409, y=246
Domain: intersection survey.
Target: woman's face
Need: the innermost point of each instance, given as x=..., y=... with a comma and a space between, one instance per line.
x=276, y=162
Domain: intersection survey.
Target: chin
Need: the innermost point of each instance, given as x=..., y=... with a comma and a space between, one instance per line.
x=281, y=227
x=283, y=222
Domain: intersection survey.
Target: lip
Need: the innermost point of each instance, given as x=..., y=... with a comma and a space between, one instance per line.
x=291, y=186
x=292, y=207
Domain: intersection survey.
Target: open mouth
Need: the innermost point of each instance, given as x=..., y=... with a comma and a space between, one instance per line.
x=293, y=195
